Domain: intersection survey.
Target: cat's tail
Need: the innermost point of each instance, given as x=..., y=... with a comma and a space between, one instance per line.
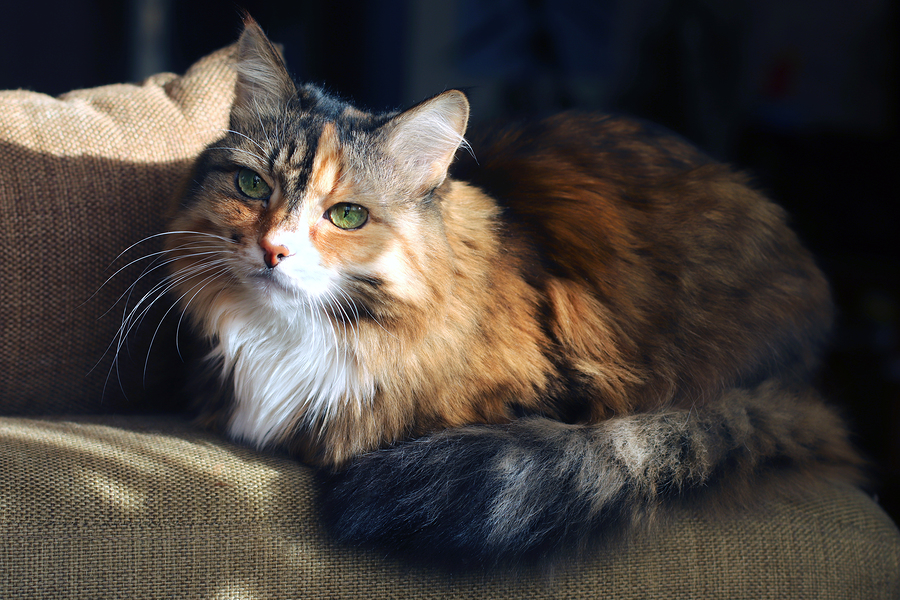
x=538, y=487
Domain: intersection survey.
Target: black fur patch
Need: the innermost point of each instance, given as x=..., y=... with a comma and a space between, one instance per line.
x=443, y=499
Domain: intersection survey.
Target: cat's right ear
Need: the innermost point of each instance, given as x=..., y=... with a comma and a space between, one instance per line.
x=263, y=80
x=423, y=140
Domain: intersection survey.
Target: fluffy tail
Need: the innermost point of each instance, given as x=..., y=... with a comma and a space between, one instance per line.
x=538, y=487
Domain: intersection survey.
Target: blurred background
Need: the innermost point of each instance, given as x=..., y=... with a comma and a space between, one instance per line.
x=801, y=93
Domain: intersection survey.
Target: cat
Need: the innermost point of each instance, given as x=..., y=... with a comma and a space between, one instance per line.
x=503, y=348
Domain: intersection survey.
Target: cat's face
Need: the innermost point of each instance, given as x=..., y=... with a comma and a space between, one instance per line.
x=308, y=203
x=289, y=231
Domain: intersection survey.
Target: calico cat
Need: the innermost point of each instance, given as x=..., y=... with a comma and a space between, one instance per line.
x=540, y=342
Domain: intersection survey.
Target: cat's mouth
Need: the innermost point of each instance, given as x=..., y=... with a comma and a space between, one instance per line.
x=268, y=281
x=276, y=286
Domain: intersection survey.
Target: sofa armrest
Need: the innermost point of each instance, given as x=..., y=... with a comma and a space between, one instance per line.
x=135, y=507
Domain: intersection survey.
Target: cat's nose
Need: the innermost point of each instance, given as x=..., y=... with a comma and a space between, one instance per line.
x=273, y=253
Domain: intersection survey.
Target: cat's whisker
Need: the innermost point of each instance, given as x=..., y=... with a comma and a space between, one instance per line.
x=354, y=322
x=137, y=313
x=128, y=323
x=153, y=266
x=330, y=306
x=372, y=316
x=119, y=270
x=163, y=264
x=130, y=320
x=203, y=234
x=250, y=139
x=262, y=125
x=133, y=318
x=153, y=254
x=323, y=320
x=253, y=154
x=350, y=301
x=339, y=329
x=222, y=288
x=165, y=233
x=127, y=317
x=199, y=287
x=350, y=323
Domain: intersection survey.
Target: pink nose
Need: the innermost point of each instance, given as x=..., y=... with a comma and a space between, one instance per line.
x=273, y=253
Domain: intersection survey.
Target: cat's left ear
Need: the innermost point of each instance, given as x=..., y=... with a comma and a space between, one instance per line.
x=423, y=140
x=263, y=80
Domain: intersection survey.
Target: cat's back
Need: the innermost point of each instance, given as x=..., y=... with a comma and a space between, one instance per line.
x=612, y=146
x=680, y=249
x=581, y=180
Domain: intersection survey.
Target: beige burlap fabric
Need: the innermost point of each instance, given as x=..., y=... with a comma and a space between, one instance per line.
x=134, y=508
x=83, y=177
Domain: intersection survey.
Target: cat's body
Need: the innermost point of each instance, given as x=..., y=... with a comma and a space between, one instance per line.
x=590, y=320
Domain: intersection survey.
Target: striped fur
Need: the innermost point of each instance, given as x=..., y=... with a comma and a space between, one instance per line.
x=503, y=357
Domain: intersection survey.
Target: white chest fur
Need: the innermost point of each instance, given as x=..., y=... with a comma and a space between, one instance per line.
x=283, y=367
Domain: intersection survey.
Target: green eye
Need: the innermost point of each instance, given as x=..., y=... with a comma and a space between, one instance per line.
x=252, y=185
x=348, y=216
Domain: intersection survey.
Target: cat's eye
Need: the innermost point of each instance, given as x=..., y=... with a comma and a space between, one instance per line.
x=252, y=185
x=348, y=216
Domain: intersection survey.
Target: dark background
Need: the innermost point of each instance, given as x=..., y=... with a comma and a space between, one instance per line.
x=801, y=93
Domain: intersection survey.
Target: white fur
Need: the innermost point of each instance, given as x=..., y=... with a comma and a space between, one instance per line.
x=301, y=272
x=283, y=365
x=284, y=353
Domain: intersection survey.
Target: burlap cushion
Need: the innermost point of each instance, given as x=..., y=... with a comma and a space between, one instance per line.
x=82, y=177
x=123, y=507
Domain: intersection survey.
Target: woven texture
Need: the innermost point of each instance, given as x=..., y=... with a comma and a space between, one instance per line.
x=137, y=508
x=85, y=176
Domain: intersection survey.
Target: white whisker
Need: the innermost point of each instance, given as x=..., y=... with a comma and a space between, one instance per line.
x=346, y=321
x=134, y=245
x=170, y=283
x=199, y=287
x=184, y=310
x=253, y=154
x=153, y=266
x=138, y=312
x=250, y=139
x=206, y=252
x=262, y=126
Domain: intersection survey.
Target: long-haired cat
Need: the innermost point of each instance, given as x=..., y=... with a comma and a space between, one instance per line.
x=502, y=355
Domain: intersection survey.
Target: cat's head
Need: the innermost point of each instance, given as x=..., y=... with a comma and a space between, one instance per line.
x=309, y=201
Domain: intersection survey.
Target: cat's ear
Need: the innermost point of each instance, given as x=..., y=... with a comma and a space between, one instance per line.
x=423, y=140
x=263, y=80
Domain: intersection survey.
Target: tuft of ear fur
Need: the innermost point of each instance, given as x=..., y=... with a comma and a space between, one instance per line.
x=263, y=80
x=423, y=140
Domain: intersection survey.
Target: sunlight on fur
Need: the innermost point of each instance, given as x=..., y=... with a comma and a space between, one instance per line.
x=496, y=360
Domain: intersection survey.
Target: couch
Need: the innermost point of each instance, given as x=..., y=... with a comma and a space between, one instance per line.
x=108, y=491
